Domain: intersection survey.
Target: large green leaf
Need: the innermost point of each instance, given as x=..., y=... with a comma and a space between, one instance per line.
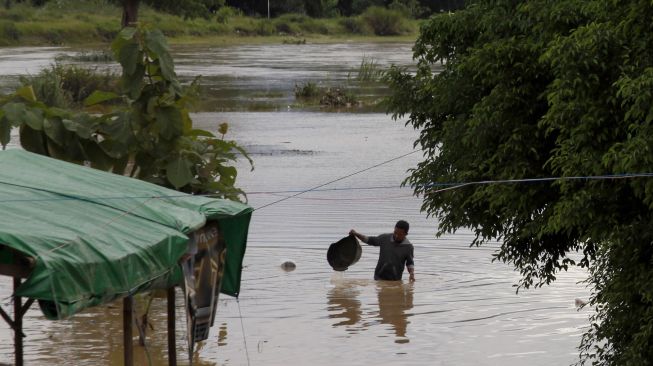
x=169, y=122
x=32, y=140
x=200, y=132
x=227, y=175
x=56, y=112
x=179, y=172
x=130, y=57
x=133, y=84
x=18, y=114
x=14, y=112
x=82, y=124
x=118, y=129
x=99, y=97
x=34, y=118
x=27, y=93
x=54, y=129
x=156, y=42
x=96, y=155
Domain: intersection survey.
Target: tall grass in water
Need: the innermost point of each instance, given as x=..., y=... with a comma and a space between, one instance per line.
x=67, y=86
x=307, y=90
x=369, y=70
x=88, y=56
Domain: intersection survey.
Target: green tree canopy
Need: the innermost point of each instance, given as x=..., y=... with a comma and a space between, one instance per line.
x=186, y=8
x=539, y=89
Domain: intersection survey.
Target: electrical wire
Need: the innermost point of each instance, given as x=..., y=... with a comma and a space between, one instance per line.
x=447, y=185
x=242, y=327
x=336, y=180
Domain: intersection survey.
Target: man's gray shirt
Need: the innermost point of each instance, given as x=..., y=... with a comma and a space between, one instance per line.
x=393, y=257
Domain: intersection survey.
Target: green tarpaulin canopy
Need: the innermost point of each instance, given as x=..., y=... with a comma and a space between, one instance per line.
x=97, y=236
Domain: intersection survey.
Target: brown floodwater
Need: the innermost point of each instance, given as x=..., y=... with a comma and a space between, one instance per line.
x=462, y=310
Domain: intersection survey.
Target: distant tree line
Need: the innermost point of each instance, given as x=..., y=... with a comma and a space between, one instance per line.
x=328, y=8
x=313, y=8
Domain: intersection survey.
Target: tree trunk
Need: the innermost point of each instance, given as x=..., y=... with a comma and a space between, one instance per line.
x=129, y=12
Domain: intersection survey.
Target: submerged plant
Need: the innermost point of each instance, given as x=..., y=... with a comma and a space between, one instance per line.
x=93, y=56
x=369, y=70
x=307, y=90
x=338, y=97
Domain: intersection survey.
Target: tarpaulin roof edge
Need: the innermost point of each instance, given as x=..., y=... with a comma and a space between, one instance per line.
x=167, y=214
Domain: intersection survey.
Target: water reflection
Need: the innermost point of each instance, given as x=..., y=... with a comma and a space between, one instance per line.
x=395, y=300
x=462, y=310
x=344, y=305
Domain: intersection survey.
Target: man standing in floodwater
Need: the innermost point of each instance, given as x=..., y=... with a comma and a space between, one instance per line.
x=395, y=252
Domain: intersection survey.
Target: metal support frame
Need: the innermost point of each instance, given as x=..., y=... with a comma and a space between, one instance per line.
x=127, y=320
x=18, y=325
x=172, y=349
x=128, y=317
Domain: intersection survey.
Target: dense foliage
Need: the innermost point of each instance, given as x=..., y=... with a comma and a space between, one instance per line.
x=312, y=8
x=535, y=89
x=149, y=135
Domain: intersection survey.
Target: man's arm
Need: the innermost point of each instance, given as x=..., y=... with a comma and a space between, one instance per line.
x=411, y=270
x=360, y=236
x=410, y=265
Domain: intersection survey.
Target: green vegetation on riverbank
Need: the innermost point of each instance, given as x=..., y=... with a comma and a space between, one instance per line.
x=91, y=22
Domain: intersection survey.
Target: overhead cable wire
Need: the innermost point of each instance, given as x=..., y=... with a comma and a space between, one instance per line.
x=447, y=186
x=451, y=186
x=336, y=180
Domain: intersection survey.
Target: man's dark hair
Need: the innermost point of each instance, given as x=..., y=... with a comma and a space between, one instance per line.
x=403, y=225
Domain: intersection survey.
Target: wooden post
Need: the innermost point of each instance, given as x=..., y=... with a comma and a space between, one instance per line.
x=127, y=314
x=172, y=349
x=129, y=12
x=18, y=325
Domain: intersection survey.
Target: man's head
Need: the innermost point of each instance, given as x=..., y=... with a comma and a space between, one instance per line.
x=401, y=230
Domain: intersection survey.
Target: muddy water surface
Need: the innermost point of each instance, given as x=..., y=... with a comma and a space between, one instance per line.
x=462, y=310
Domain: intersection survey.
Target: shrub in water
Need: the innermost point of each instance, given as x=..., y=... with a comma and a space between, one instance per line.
x=354, y=25
x=384, y=22
x=314, y=26
x=284, y=26
x=48, y=89
x=88, y=56
x=68, y=85
x=338, y=97
x=9, y=31
x=294, y=18
x=265, y=28
x=225, y=13
x=307, y=90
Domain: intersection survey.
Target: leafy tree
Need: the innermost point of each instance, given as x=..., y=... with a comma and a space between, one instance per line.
x=150, y=136
x=409, y=8
x=538, y=89
x=186, y=8
x=321, y=8
x=359, y=6
x=277, y=7
x=436, y=6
